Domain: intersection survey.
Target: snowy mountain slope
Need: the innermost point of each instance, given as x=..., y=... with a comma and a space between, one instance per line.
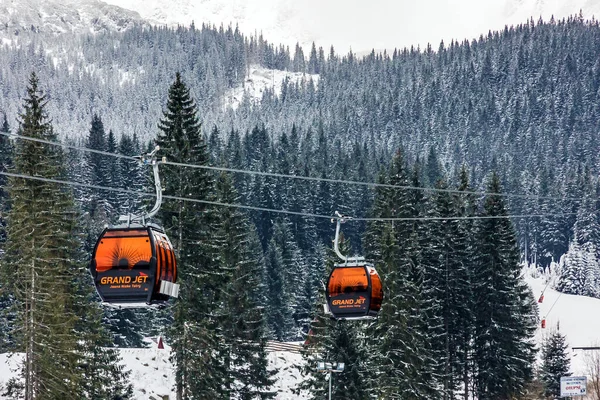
x=576, y=315
x=63, y=16
x=259, y=80
x=349, y=24
x=362, y=26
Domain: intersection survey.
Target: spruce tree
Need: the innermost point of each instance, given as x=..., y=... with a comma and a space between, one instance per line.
x=336, y=342
x=506, y=310
x=195, y=331
x=284, y=277
x=130, y=175
x=242, y=313
x=112, y=174
x=279, y=305
x=6, y=150
x=555, y=362
x=43, y=269
x=96, y=203
x=6, y=315
x=463, y=323
x=5, y=165
x=38, y=264
x=444, y=287
x=404, y=367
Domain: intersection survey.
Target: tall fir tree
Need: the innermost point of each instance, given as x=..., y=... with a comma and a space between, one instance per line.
x=112, y=174
x=464, y=247
x=241, y=309
x=43, y=267
x=335, y=342
x=505, y=316
x=279, y=308
x=38, y=265
x=6, y=313
x=404, y=367
x=284, y=277
x=6, y=150
x=195, y=331
x=129, y=174
x=96, y=204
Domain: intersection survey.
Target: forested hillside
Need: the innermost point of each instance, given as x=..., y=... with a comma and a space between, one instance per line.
x=522, y=101
x=458, y=139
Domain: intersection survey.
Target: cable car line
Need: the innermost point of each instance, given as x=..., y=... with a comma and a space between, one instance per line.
x=297, y=213
x=299, y=177
x=548, y=312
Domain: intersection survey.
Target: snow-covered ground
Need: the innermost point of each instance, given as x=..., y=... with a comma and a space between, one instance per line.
x=575, y=314
x=260, y=79
x=153, y=375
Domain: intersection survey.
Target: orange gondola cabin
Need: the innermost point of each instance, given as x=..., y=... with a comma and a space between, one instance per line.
x=354, y=291
x=134, y=265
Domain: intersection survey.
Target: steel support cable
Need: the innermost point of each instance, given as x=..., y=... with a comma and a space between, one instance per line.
x=553, y=304
x=299, y=177
x=253, y=208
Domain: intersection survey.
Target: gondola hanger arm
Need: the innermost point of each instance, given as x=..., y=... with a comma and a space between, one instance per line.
x=336, y=242
x=148, y=159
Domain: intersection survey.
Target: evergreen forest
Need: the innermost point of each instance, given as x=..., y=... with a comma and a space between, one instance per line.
x=457, y=165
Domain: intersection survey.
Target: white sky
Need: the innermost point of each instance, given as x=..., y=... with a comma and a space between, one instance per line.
x=359, y=24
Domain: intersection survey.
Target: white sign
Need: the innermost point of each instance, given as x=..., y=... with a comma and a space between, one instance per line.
x=573, y=386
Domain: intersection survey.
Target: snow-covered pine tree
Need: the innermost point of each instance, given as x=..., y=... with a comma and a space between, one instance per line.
x=505, y=314
x=293, y=267
x=579, y=268
x=258, y=149
x=130, y=174
x=94, y=202
x=38, y=263
x=447, y=289
x=337, y=342
x=401, y=366
x=242, y=317
x=555, y=362
x=586, y=230
x=5, y=164
x=279, y=308
x=463, y=295
x=312, y=285
x=6, y=316
x=195, y=332
x=578, y=271
x=6, y=151
x=43, y=270
x=112, y=173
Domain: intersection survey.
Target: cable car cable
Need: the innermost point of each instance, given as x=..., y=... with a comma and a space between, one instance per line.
x=299, y=177
x=548, y=313
x=297, y=213
x=541, y=299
